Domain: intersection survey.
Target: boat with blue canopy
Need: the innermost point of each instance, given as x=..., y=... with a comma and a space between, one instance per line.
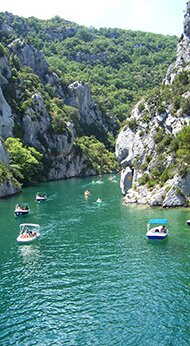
x=156, y=229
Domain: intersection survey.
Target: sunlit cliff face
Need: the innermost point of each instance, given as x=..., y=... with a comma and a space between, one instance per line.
x=186, y=23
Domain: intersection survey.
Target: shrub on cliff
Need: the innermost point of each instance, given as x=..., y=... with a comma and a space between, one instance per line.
x=99, y=158
x=27, y=159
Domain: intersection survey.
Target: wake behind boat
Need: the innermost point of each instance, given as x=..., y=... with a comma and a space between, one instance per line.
x=159, y=231
x=28, y=232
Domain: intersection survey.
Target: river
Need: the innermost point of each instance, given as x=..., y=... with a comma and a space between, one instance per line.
x=93, y=278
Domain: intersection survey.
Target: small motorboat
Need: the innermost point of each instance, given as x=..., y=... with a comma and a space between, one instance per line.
x=159, y=231
x=28, y=232
x=41, y=197
x=188, y=222
x=22, y=209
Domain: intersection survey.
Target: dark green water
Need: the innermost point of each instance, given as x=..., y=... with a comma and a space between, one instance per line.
x=93, y=278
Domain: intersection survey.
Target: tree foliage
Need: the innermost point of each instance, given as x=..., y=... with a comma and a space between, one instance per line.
x=27, y=161
x=119, y=65
x=98, y=157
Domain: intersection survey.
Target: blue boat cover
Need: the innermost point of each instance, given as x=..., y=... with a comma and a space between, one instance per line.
x=156, y=221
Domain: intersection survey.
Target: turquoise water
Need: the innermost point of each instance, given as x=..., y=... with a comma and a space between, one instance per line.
x=93, y=278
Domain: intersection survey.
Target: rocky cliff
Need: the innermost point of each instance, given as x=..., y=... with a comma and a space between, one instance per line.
x=150, y=170
x=34, y=120
x=50, y=113
x=7, y=187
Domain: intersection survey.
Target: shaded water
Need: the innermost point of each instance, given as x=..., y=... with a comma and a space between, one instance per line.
x=93, y=278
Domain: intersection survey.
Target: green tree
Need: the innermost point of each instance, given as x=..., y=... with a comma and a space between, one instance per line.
x=28, y=160
x=184, y=144
x=98, y=157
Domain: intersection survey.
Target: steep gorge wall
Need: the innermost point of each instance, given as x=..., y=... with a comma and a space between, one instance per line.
x=59, y=149
x=136, y=146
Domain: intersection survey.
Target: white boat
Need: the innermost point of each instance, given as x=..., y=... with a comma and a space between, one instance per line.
x=188, y=222
x=159, y=231
x=41, y=197
x=22, y=209
x=28, y=232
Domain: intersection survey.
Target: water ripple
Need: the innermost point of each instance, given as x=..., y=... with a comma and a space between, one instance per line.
x=93, y=278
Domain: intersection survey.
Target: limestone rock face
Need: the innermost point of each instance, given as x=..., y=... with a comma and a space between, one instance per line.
x=6, y=117
x=35, y=126
x=7, y=189
x=68, y=166
x=136, y=142
x=33, y=58
x=6, y=126
x=186, y=23
x=5, y=72
x=3, y=154
x=179, y=192
x=80, y=97
x=172, y=194
x=126, y=180
x=130, y=144
x=29, y=56
x=33, y=118
x=183, y=51
x=57, y=148
x=36, y=122
x=137, y=146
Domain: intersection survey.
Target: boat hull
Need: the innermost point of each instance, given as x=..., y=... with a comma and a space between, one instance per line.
x=27, y=240
x=41, y=197
x=21, y=212
x=38, y=199
x=156, y=237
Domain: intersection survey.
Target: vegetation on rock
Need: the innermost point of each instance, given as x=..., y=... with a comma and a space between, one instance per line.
x=119, y=66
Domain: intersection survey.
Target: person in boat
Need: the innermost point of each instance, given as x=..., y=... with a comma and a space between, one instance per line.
x=163, y=229
x=32, y=233
x=29, y=233
x=25, y=235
